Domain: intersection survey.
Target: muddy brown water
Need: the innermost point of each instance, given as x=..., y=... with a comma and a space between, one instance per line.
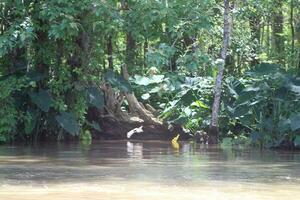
x=146, y=170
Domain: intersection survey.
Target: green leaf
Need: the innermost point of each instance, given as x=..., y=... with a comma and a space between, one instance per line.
x=35, y=76
x=142, y=80
x=95, y=97
x=187, y=98
x=155, y=90
x=157, y=78
x=284, y=125
x=145, y=81
x=234, y=86
x=199, y=104
x=96, y=126
x=295, y=122
x=226, y=142
x=245, y=97
x=241, y=111
x=30, y=121
x=68, y=122
x=297, y=140
x=255, y=136
x=145, y=96
x=117, y=81
x=42, y=99
x=268, y=124
x=264, y=69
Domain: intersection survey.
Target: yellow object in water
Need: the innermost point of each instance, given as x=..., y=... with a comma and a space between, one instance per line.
x=175, y=143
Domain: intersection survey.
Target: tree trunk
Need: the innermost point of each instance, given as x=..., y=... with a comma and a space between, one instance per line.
x=135, y=107
x=110, y=53
x=268, y=37
x=130, y=51
x=254, y=22
x=214, y=129
x=292, y=30
x=145, y=53
x=278, y=39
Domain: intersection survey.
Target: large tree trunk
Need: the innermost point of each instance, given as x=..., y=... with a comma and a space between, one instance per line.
x=214, y=129
x=130, y=51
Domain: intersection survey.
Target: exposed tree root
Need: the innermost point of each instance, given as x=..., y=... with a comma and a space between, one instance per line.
x=137, y=122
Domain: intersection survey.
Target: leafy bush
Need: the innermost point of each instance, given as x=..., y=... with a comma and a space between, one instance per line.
x=183, y=100
x=9, y=113
x=266, y=103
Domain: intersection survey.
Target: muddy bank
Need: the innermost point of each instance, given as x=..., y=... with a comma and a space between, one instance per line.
x=122, y=130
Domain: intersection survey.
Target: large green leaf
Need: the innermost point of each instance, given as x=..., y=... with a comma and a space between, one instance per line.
x=187, y=98
x=284, y=125
x=245, y=97
x=95, y=97
x=42, y=99
x=297, y=141
x=30, y=120
x=241, y=111
x=146, y=96
x=235, y=87
x=142, y=80
x=295, y=122
x=117, y=81
x=255, y=136
x=35, y=76
x=96, y=126
x=199, y=104
x=264, y=69
x=68, y=122
x=268, y=124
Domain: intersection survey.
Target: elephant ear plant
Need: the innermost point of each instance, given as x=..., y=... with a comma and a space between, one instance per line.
x=266, y=103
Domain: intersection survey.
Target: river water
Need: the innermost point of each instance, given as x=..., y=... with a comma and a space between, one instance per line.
x=146, y=170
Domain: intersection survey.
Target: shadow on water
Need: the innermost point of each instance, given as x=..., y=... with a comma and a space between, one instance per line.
x=144, y=161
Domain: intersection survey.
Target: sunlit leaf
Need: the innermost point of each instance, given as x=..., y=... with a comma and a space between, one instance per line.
x=145, y=96
x=199, y=104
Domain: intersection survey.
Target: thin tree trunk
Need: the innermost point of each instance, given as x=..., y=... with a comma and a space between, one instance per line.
x=145, y=53
x=268, y=37
x=262, y=35
x=254, y=22
x=278, y=39
x=214, y=129
x=292, y=29
x=110, y=53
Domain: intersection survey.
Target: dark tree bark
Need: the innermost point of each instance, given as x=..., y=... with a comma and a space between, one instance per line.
x=173, y=64
x=214, y=128
x=110, y=52
x=145, y=52
x=130, y=51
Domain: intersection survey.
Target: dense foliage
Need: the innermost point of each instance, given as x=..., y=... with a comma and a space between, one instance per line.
x=55, y=54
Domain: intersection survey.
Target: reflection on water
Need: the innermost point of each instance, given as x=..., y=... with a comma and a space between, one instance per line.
x=146, y=170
